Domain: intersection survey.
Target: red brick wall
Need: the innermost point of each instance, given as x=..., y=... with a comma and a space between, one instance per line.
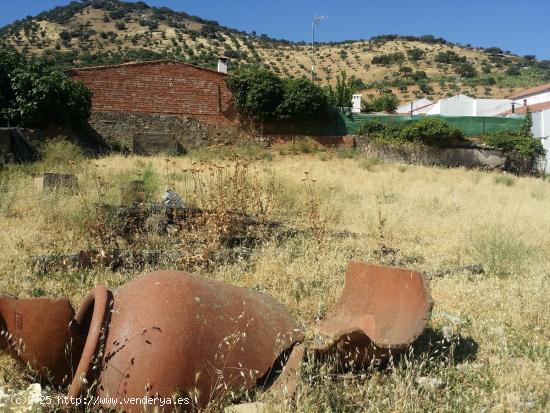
x=161, y=87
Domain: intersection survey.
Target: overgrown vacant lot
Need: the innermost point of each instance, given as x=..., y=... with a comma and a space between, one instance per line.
x=489, y=332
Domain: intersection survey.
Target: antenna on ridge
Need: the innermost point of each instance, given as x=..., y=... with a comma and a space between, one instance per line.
x=315, y=22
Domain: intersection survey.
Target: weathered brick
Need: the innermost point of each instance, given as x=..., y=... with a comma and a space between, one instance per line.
x=161, y=87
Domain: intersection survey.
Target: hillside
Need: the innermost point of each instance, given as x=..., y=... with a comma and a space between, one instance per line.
x=95, y=32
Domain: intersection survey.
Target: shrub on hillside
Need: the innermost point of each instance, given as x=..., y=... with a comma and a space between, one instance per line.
x=415, y=54
x=466, y=70
x=449, y=57
x=388, y=59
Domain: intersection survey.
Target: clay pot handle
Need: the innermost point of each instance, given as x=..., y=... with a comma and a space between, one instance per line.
x=99, y=298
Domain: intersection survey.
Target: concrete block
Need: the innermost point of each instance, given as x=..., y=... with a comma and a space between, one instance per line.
x=57, y=182
x=155, y=143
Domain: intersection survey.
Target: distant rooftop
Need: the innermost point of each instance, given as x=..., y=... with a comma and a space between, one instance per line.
x=531, y=91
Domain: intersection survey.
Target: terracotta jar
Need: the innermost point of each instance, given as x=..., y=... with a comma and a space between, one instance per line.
x=174, y=337
x=174, y=333
x=41, y=333
x=381, y=311
x=165, y=335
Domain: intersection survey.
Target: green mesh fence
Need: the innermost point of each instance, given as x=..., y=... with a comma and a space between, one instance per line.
x=469, y=125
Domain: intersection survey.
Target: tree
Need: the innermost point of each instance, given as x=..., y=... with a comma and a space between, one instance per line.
x=415, y=54
x=466, y=70
x=425, y=88
x=302, y=100
x=405, y=71
x=342, y=94
x=385, y=103
x=527, y=125
x=32, y=93
x=257, y=93
x=513, y=71
x=263, y=96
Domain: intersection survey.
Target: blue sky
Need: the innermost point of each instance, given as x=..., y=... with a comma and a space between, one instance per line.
x=521, y=26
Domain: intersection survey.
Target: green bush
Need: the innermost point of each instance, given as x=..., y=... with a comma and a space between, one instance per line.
x=431, y=131
x=466, y=70
x=371, y=127
x=501, y=251
x=302, y=100
x=257, y=93
x=151, y=182
x=32, y=93
x=415, y=54
x=449, y=57
x=342, y=94
x=384, y=103
x=505, y=180
x=262, y=95
x=508, y=141
x=347, y=153
x=428, y=131
x=388, y=59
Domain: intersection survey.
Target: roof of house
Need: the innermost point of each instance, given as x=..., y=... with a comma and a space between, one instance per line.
x=417, y=104
x=531, y=91
x=539, y=107
x=459, y=98
x=142, y=63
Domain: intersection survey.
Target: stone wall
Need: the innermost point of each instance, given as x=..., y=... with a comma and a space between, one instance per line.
x=469, y=157
x=119, y=129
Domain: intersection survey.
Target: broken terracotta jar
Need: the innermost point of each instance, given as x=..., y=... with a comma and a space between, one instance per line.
x=171, y=333
x=40, y=332
x=381, y=311
x=164, y=334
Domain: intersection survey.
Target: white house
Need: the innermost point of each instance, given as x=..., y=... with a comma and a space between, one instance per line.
x=415, y=107
x=532, y=96
x=537, y=101
x=462, y=105
x=356, y=103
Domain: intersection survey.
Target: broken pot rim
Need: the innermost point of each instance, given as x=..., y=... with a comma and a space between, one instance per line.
x=329, y=340
x=99, y=298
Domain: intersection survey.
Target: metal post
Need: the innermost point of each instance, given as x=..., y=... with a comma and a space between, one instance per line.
x=316, y=21
x=313, y=50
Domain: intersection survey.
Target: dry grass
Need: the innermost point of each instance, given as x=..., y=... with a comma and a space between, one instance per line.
x=497, y=325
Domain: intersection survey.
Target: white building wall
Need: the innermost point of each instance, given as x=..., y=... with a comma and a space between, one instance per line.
x=492, y=107
x=356, y=103
x=541, y=124
x=546, y=123
x=534, y=99
x=537, y=125
x=465, y=106
x=453, y=108
x=541, y=130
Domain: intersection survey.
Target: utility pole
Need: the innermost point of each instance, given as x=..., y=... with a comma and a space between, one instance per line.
x=315, y=22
